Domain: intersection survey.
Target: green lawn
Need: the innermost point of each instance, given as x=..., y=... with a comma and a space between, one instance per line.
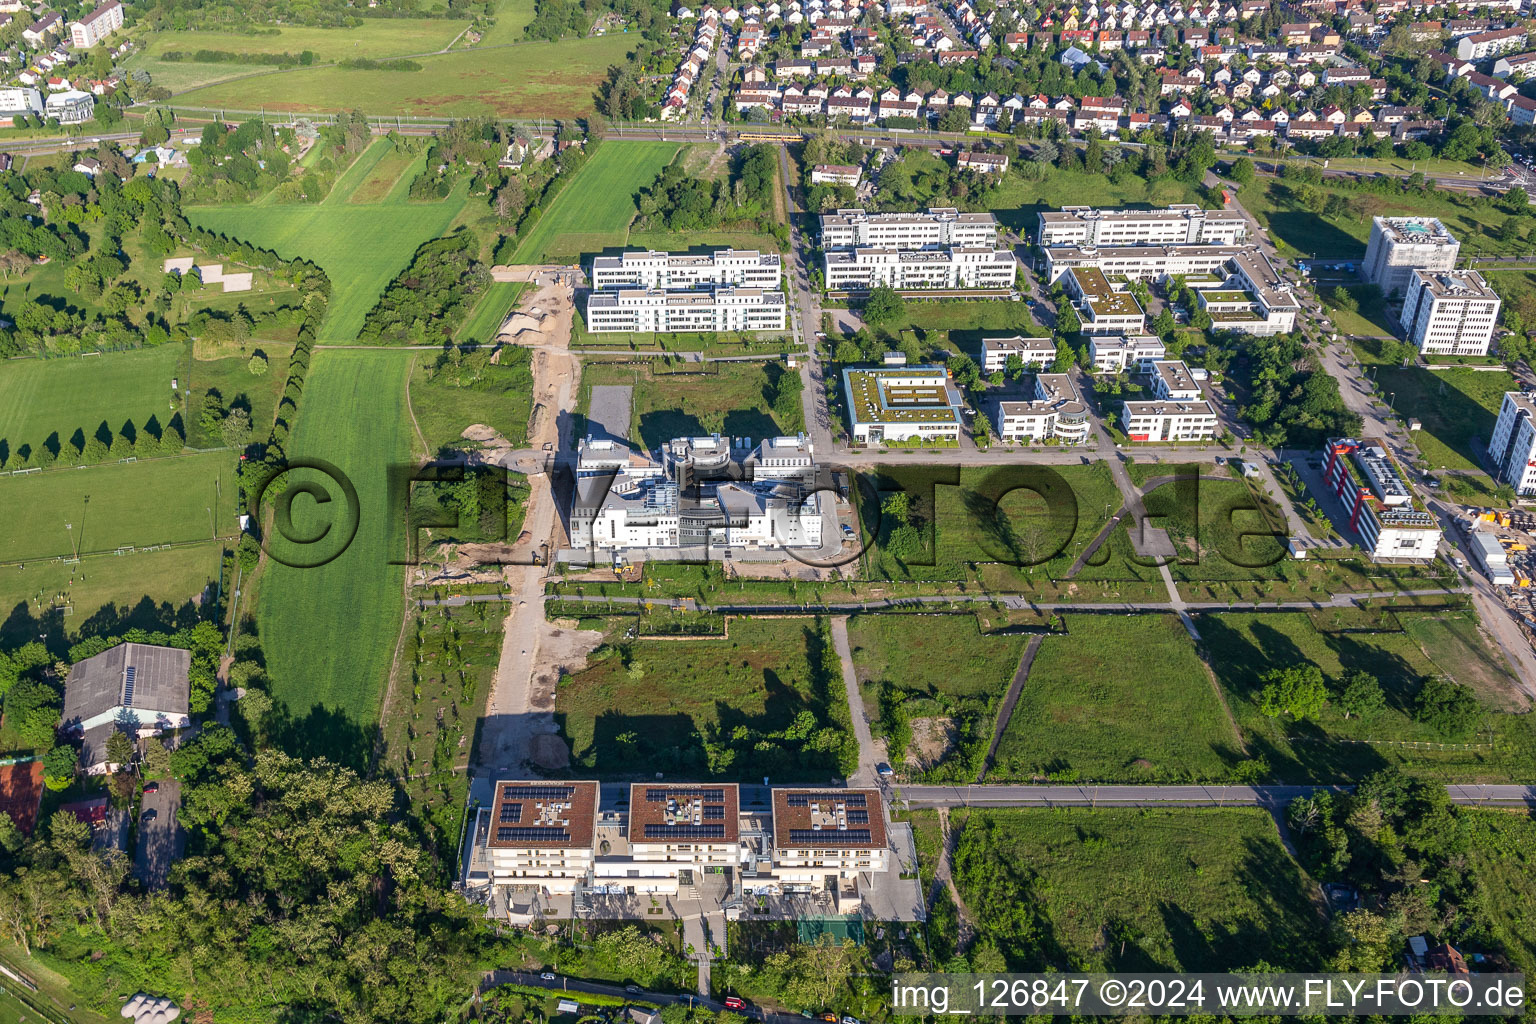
x=593, y=211
x=1370, y=318
x=735, y=399
x=41, y=396
x=719, y=708
x=490, y=312
x=1503, y=860
x=139, y=504
x=386, y=175
x=359, y=171
x=501, y=399
x=1140, y=890
x=512, y=16
x=1119, y=699
x=1457, y=407
x=361, y=247
x=237, y=386
x=933, y=654
x=374, y=38
x=330, y=631
x=534, y=79
x=1243, y=647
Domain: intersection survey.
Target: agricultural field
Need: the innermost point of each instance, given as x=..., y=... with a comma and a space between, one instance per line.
x=1400, y=653
x=362, y=247
x=498, y=300
x=330, y=632
x=531, y=79
x=499, y=396
x=375, y=38
x=594, y=210
x=766, y=699
x=41, y=396
x=727, y=398
x=1119, y=699
x=392, y=174
x=1457, y=407
x=1140, y=890
x=512, y=16
x=141, y=504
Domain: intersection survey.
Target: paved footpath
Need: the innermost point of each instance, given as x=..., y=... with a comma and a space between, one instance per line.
x=1172, y=796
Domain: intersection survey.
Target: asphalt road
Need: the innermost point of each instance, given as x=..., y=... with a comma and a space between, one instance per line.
x=1171, y=796
x=576, y=986
x=161, y=839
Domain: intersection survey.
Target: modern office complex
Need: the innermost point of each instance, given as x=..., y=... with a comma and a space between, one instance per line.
x=746, y=268
x=1401, y=245
x=1390, y=522
x=1450, y=312
x=646, y=310
x=1183, y=224
x=847, y=229
x=1033, y=353
x=1105, y=308
x=904, y=269
x=1113, y=354
x=1513, y=445
x=537, y=834
x=900, y=403
x=1178, y=413
x=706, y=494
x=1057, y=411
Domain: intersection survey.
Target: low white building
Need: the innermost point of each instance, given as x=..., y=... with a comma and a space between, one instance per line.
x=71, y=106
x=1383, y=512
x=847, y=229
x=654, y=310
x=1450, y=312
x=1166, y=420
x=900, y=403
x=140, y=689
x=20, y=100
x=1114, y=353
x=835, y=174
x=536, y=835
x=1172, y=380
x=745, y=268
x=1181, y=224
x=1034, y=353
x=910, y=270
x=1105, y=308
x=1512, y=448
x=1057, y=412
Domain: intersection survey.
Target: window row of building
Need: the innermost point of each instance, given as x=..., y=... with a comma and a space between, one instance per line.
x=668, y=293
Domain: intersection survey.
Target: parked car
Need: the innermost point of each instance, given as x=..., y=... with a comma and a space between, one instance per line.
x=149, y=815
x=151, y=787
x=548, y=976
x=884, y=770
x=735, y=1003
x=850, y=1020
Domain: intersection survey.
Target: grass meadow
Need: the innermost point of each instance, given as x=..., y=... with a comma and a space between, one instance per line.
x=361, y=246
x=933, y=654
x=1118, y=699
x=501, y=399
x=330, y=632
x=374, y=38
x=490, y=312
x=593, y=211
x=1457, y=407
x=1148, y=890
x=698, y=399
x=531, y=79
x=40, y=396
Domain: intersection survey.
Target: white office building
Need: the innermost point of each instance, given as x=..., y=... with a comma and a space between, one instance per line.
x=1172, y=380
x=1033, y=353
x=641, y=310
x=744, y=268
x=1166, y=420
x=1450, y=312
x=1114, y=354
x=1382, y=511
x=902, y=403
x=847, y=229
x=1401, y=245
x=1057, y=412
x=1513, y=445
x=910, y=270
x=1105, y=308
x=70, y=106
x=1182, y=224
x=19, y=100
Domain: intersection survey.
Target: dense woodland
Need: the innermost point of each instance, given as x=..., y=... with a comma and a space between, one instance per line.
x=677, y=201
x=429, y=299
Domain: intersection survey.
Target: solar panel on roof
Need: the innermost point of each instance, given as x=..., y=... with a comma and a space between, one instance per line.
x=528, y=834
x=659, y=794
x=714, y=812
x=537, y=792
x=685, y=831
x=858, y=817
x=128, y=675
x=511, y=813
x=846, y=799
x=827, y=837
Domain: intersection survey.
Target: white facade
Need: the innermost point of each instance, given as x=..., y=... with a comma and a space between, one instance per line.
x=15, y=101
x=1035, y=353
x=835, y=174
x=1112, y=354
x=1183, y=224
x=863, y=269
x=1401, y=245
x=1055, y=412
x=940, y=226
x=71, y=106
x=1168, y=421
x=636, y=310
x=1450, y=313
x=1382, y=511
x=739, y=267
x=1513, y=445
x=97, y=25
x=899, y=403
x=1172, y=380
x=537, y=835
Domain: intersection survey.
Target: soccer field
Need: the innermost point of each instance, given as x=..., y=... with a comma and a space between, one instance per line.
x=41, y=396
x=362, y=246
x=329, y=632
x=594, y=210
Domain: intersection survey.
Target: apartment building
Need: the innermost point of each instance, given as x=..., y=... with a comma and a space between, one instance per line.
x=956, y=267
x=537, y=834
x=97, y=25
x=1166, y=420
x=1482, y=45
x=1034, y=353
x=1114, y=354
x=901, y=403
x=821, y=833
x=1513, y=444
x=1105, y=308
x=1401, y=245
x=1056, y=411
x=1389, y=521
x=1181, y=224
x=835, y=174
x=686, y=826
x=1172, y=380
x=745, y=268
x=704, y=494
x=1451, y=313
x=71, y=106
x=654, y=310
x=940, y=226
